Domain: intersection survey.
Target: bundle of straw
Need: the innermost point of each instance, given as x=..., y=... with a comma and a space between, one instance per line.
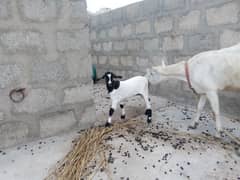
x=90, y=144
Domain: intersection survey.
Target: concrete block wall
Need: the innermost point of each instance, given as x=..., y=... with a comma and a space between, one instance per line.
x=130, y=39
x=44, y=47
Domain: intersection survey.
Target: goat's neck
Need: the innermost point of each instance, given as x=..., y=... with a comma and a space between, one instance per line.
x=174, y=71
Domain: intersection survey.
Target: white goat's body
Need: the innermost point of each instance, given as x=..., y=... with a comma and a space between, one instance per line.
x=137, y=85
x=129, y=88
x=209, y=72
x=216, y=70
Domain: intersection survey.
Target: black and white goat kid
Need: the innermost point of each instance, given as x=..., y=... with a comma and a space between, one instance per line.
x=120, y=90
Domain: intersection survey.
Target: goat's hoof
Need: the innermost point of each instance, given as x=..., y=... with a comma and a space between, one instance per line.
x=194, y=126
x=149, y=120
x=123, y=116
x=108, y=124
x=237, y=150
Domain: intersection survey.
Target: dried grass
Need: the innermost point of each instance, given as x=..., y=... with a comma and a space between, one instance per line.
x=88, y=147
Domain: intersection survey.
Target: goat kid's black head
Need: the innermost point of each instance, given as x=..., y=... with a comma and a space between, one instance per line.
x=110, y=82
x=109, y=77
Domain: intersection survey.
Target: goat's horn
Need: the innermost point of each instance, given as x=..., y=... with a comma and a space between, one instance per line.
x=163, y=63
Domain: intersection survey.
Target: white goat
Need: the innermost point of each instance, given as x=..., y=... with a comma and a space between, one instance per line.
x=120, y=90
x=206, y=73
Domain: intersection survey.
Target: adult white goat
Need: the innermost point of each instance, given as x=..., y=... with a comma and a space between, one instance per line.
x=206, y=73
x=120, y=90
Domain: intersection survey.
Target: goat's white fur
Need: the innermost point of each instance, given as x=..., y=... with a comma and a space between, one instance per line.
x=210, y=72
x=128, y=88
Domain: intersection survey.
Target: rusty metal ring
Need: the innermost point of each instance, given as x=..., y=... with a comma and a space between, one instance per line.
x=19, y=92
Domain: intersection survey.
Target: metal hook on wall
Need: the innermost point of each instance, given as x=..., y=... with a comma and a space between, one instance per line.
x=17, y=95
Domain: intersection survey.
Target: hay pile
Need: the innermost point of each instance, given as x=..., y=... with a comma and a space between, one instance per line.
x=90, y=146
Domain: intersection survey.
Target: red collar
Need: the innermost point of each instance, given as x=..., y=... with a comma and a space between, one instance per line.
x=188, y=77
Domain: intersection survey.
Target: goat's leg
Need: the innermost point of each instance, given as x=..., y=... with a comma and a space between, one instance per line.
x=111, y=111
x=148, y=112
x=214, y=101
x=123, y=115
x=201, y=103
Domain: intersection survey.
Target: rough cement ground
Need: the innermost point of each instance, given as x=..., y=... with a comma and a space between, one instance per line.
x=166, y=149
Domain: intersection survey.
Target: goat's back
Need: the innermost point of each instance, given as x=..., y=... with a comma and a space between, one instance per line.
x=216, y=69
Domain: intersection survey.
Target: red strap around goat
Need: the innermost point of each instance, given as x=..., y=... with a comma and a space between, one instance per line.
x=188, y=78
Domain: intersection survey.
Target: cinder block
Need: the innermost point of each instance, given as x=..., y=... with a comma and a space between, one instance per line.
x=22, y=41
x=39, y=10
x=9, y=74
x=151, y=7
x=126, y=30
x=133, y=11
x=93, y=35
x=151, y=44
x=78, y=10
x=37, y=100
x=113, y=32
x=113, y=60
x=102, y=59
x=191, y=21
x=88, y=118
x=94, y=60
x=73, y=40
x=173, y=43
x=119, y=45
x=229, y=38
x=5, y=11
x=97, y=47
x=43, y=72
x=57, y=123
x=142, y=62
x=133, y=45
x=102, y=34
x=143, y=27
x=78, y=94
x=173, y=4
x=127, y=60
x=12, y=133
x=226, y=14
x=117, y=15
x=202, y=42
x=107, y=46
x=163, y=24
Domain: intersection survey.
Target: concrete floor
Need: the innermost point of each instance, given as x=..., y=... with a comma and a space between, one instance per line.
x=166, y=149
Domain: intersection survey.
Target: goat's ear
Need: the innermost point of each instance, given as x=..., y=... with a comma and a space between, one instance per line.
x=163, y=63
x=115, y=76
